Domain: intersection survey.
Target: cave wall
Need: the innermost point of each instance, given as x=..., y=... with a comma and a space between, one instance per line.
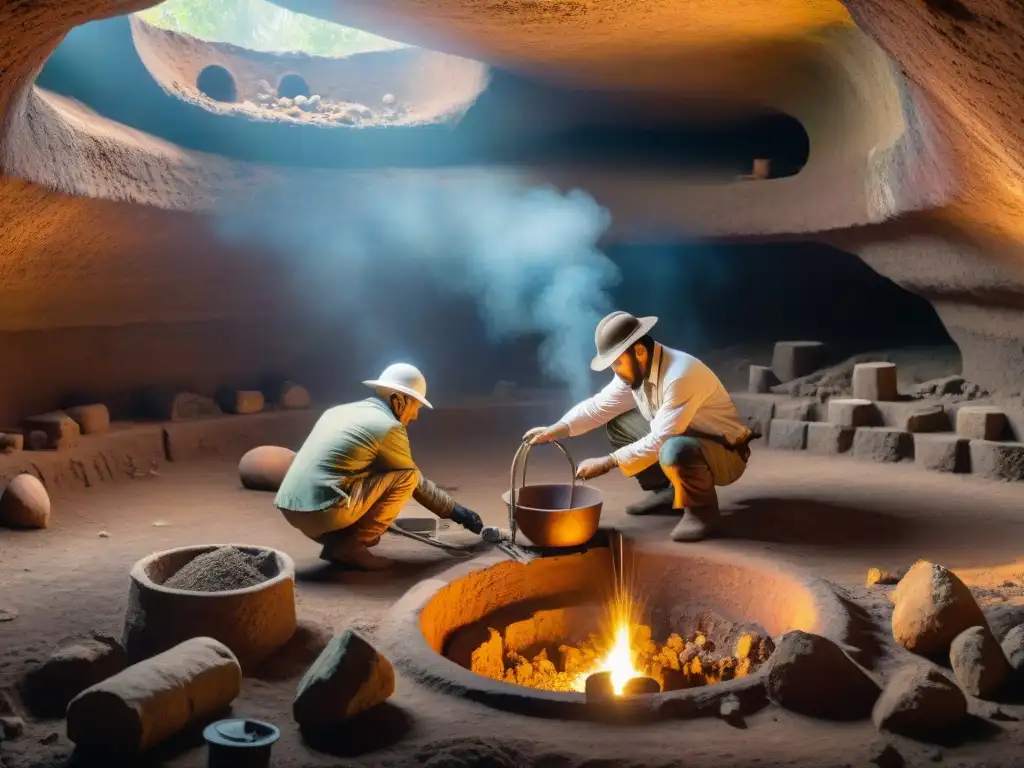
x=104, y=233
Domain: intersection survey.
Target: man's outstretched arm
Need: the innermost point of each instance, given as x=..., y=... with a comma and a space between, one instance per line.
x=615, y=399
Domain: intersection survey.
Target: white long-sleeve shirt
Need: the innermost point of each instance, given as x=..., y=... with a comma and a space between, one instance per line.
x=679, y=393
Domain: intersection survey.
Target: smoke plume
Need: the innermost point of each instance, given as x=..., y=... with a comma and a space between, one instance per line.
x=526, y=256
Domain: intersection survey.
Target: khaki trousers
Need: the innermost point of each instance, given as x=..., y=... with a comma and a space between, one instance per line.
x=691, y=465
x=373, y=503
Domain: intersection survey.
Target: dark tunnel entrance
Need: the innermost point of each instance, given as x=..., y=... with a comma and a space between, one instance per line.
x=292, y=85
x=218, y=83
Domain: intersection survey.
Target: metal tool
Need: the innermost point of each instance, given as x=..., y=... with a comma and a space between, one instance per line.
x=461, y=550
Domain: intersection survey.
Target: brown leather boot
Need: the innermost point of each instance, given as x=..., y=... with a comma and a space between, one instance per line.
x=698, y=523
x=354, y=553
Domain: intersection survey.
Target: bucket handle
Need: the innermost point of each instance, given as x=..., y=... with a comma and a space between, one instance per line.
x=524, y=451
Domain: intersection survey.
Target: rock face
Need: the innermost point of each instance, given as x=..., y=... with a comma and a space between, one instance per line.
x=264, y=468
x=1013, y=648
x=978, y=662
x=797, y=668
x=932, y=607
x=349, y=677
x=71, y=669
x=25, y=503
x=151, y=701
x=918, y=701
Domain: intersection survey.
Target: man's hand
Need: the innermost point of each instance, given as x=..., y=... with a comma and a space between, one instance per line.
x=590, y=468
x=467, y=518
x=539, y=435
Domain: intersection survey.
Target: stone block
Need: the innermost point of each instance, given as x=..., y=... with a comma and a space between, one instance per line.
x=240, y=402
x=981, y=422
x=942, y=452
x=997, y=461
x=883, y=444
x=60, y=429
x=167, y=405
x=762, y=379
x=875, y=381
x=852, y=412
x=92, y=419
x=826, y=439
x=912, y=416
x=293, y=396
x=787, y=435
x=756, y=410
x=796, y=410
x=11, y=441
x=794, y=359
x=153, y=700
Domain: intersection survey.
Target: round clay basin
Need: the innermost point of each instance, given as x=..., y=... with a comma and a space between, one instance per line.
x=253, y=622
x=673, y=581
x=543, y=516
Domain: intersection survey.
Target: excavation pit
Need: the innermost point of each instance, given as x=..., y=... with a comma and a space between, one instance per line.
x=536, y=638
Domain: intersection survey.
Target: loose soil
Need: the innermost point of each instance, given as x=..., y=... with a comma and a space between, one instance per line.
x=221, y=570
x=835, y=516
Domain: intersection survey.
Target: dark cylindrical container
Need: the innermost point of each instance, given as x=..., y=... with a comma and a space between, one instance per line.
x=240, y=743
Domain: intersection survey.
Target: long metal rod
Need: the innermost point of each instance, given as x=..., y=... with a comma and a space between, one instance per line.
x=450, y=548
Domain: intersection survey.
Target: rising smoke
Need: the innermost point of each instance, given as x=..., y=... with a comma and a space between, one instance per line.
x=526, y=256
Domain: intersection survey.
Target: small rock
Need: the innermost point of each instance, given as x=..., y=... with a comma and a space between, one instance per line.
x=978, y=662
x=300, y=100
x=350, y=676
x=885, y=755
x=160, y=524
x=104, y=535
x=389, y=99
x=931, y=607
x=71, y=668
x=1013, y=648
x=50, y=738
x=264, y=468
x=878, y=576
x=295, y=112
x=797, y=668
x=731, y=711
x=60, y=429
x=284, y=102
x=919, y=700
x=7, y=613
x=292, y=396
x=25, y=503
x=315, y=99
x=11, y=728
x=11, y=442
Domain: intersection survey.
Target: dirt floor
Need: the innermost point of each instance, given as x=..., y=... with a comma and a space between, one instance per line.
x=837, y=517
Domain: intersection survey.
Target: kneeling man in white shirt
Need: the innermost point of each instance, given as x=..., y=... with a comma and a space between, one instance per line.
x=670, y=421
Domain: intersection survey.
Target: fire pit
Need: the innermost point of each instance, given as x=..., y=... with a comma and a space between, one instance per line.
x=561, y=637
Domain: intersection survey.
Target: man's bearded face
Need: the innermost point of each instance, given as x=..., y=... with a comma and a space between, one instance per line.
x=629, y=369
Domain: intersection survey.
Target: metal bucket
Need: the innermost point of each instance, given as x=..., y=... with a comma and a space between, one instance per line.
x=240, y=743
x=553, y=514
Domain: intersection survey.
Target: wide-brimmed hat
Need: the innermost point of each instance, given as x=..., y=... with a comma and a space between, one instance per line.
x=615, y=334
x=404, y=378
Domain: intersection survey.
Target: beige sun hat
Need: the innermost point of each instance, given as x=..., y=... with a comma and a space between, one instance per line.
x=404, y=378
x=615, y=334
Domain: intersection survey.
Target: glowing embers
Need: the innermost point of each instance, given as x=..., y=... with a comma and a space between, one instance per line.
x=560, y=649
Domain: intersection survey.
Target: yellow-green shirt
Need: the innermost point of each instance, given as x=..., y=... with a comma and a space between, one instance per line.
x=348, y=442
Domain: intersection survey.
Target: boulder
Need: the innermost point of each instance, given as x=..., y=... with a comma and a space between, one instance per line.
x=240, y=401
x=350, y=676
x=981, y=422
x=1013, y=648
x=293, y=396
x=60, y=429
x=92, y=419
x=264, y=468
x=796, y=670
x=11, y=441
x=70, y=669
x=168, y=405
x=11, y=727
x=153, y=700
x=978, y=662
x=919, y=701
x=795, y=359
x=25, y=503
x=931, y=607
x=875, y=381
